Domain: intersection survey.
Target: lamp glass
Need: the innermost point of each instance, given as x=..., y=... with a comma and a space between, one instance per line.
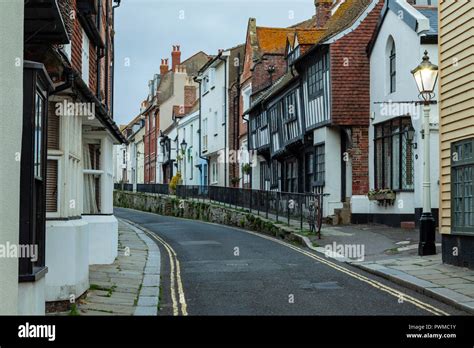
x=184, y=145
x=426, y=75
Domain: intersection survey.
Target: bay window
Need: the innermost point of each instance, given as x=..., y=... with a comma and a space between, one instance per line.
x=462, y=190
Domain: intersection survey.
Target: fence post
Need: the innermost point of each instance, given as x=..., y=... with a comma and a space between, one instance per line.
x=288, y=210
x=258, y=202
x=267, y=203
x=301, y=200
x=250, y=202
x=277, y=205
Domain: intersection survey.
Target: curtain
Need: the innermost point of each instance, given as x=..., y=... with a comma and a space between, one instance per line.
x=90, y=203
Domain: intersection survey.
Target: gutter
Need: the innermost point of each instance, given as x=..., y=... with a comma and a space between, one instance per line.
x=101, y=113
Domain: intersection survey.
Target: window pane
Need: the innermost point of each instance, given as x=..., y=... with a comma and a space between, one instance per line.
x=387, y=168
x=379, y=167
x=396, y=160
x=38, y=138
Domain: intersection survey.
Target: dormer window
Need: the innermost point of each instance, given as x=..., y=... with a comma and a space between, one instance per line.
x=393, y=68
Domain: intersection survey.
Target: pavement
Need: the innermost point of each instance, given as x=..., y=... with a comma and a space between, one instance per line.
x=392, y=253
x=129, y=286
x=221, y=270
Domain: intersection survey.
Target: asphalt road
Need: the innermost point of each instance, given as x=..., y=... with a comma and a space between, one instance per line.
x=228, y=271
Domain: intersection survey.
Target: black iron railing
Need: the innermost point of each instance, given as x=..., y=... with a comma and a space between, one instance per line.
x=292, y=208
x=162, y=189
x=297, y=209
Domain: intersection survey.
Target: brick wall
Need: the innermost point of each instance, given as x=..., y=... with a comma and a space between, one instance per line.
x=261, y=78
x=360, y=160
x=92, y=68
x=190, y=95
x=350, y=74
x=233, y=131
x=76, y=42
x=350, y=85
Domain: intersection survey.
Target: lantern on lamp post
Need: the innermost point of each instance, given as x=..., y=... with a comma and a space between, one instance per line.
x=426, y=76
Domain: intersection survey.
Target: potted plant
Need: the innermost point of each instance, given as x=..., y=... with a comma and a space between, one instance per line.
x=175, y=181
x=246, y=168
x=382, y=196
x=235, y=181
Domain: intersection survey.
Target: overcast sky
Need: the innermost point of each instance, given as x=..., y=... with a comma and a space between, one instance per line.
x=146, y=30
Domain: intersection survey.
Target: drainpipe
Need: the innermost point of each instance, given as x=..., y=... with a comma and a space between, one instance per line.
x=225, y=119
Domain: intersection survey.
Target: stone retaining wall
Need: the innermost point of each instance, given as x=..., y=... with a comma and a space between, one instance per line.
x=204, y=211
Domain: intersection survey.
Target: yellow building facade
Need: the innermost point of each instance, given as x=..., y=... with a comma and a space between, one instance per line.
x=456, y=63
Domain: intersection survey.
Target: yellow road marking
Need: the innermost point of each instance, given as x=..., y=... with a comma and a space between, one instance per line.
x=396, y=293
x=175, y=271
x=374, y=283
x=182, y=298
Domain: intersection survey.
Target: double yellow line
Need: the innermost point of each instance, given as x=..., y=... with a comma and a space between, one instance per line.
x=176, y=275
x=176, y=284
x=398, y=294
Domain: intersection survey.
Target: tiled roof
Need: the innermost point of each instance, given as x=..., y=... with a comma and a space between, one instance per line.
x=432, y=14
x=307, y=24
x=273, y=40
x=345, y=16
x=309, y=36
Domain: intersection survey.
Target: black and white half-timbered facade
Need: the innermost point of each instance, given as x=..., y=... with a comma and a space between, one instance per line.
x=315, y=119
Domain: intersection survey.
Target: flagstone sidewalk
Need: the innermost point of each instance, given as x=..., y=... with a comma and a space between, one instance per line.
x=393, y=254
x=129, y=286
x=428, y=275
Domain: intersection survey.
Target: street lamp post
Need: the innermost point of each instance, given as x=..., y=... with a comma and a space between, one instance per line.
x=184, y=146
x=426, y=75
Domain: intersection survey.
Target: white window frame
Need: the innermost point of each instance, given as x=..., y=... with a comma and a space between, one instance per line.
x=246, y=93
x=214, y=173
x=85, y=57
x=205, y=139
x=57, y=213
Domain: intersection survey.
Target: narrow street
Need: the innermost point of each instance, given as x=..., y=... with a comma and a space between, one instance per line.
x=227, y=271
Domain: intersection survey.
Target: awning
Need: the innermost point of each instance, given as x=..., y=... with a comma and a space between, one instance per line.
x=44, y=23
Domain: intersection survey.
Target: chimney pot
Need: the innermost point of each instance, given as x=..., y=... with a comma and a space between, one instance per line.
x=175, y=57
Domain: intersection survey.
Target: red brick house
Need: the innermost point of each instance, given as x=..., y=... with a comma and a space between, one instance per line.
x=311, y=126
x=264, y=62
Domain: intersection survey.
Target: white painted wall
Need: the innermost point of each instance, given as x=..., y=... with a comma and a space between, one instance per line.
x=119, y=166
x=213, y=109
x=188, y=129
x=140, y=146
x=11, y=101
x=103, y=239
x=67, y=258
x=331, y=138
x=409, y=53
x=32, y=297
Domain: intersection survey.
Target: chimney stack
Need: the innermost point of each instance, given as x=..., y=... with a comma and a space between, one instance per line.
x=164, y=68
x=190, y=95
x=323, y=12
x=175, y=57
